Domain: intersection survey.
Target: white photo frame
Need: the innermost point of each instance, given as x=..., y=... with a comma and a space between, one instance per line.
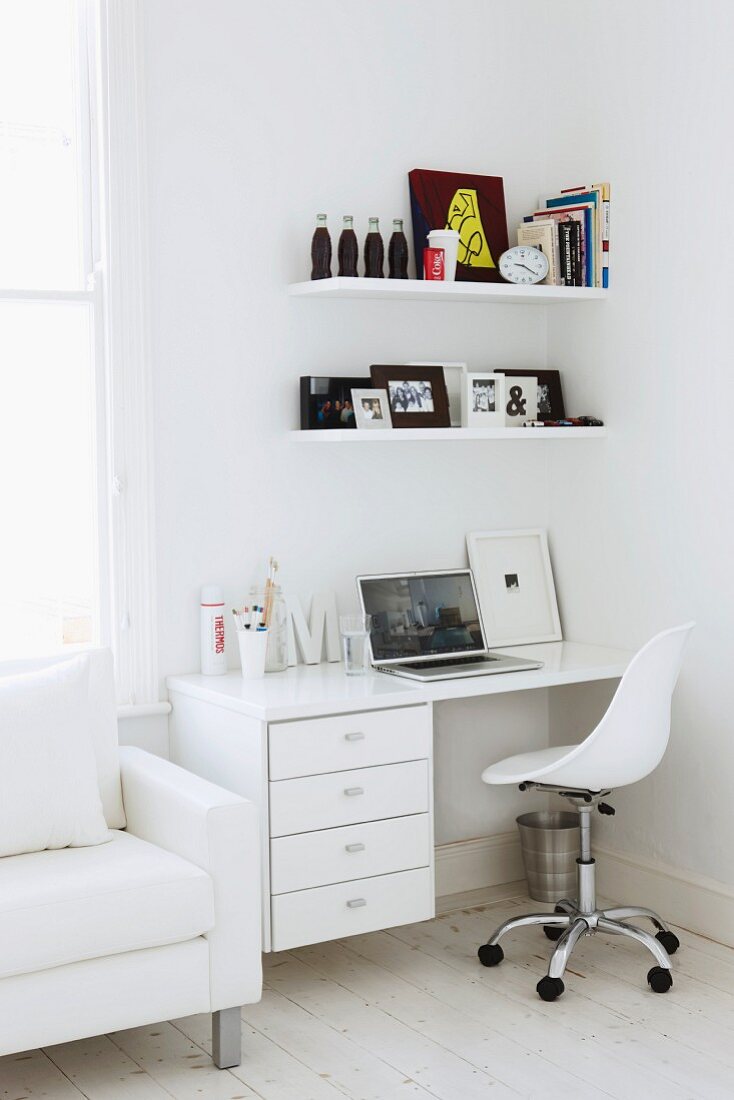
x=483, y=401
x=454, y=374
x=514, y=581
x=521, y=399
x=371, y=409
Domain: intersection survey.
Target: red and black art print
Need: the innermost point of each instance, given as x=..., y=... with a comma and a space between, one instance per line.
x=473, y=205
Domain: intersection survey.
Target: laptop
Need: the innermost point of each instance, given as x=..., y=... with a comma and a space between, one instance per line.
x=427, y=626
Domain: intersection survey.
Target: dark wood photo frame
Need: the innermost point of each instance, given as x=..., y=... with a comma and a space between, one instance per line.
x=550, y=401
x=410, y=411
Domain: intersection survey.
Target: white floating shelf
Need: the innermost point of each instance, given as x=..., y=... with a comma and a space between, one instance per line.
x=417, y=435
x=419, y=290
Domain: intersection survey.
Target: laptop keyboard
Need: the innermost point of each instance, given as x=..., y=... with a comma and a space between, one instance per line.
x=475, y=660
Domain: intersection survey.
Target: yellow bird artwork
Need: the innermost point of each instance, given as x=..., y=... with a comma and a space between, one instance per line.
x=464, y=216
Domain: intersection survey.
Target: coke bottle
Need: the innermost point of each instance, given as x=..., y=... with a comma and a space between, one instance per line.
x=374, y=252
x=348, y=251
x=321, y=250
x=397, y=252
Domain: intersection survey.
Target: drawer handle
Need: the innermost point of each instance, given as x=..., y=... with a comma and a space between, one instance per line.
x=354, y=847
x=356, y=903
x=350, y=792
x=354, y=737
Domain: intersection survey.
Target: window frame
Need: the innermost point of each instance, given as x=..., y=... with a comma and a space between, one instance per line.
x=114, y=288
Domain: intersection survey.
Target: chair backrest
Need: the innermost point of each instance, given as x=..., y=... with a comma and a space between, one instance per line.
x=104, y=707
x=632, y=737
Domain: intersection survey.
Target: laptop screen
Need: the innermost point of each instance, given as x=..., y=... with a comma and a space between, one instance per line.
x=422, y=615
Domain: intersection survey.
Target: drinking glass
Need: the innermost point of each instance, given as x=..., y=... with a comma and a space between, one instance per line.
x=355, y=630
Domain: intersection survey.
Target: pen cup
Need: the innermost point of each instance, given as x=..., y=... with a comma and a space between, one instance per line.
x=253, y=645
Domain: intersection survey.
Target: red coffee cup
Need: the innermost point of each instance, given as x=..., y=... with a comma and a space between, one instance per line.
x=433, y=264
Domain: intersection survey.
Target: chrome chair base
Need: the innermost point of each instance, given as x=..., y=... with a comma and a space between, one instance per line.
x=571, y=920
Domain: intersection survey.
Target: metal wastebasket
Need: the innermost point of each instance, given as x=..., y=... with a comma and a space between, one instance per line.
x=550, y=846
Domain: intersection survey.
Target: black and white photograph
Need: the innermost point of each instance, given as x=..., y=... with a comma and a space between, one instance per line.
x=371, y=409
x=483, y=396
x=418, y=396
x=512, y=584
x=483, y=401
x=453, y=374
x=412, y=395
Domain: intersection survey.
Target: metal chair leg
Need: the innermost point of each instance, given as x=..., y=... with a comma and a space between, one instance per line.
x=561, y=919
x=564, y=947
x=625, y=912
x=567, y=906
x=631, y=932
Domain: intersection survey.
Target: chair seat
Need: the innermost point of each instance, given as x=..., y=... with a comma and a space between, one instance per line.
x=528, y=765
x=62, y=906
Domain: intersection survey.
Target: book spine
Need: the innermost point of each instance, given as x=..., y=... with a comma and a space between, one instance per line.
x=577, y=256
x=565, y=252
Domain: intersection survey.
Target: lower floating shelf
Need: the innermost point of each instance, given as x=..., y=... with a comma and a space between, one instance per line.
x=417, y=435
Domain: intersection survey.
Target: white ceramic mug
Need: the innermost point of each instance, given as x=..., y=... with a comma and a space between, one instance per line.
x=448, y=240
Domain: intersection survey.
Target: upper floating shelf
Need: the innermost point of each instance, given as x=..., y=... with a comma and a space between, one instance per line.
x=418, y=290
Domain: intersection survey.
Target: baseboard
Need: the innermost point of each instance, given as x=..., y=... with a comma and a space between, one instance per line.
x=490, y=869
x=691, y=901
x=469, y=865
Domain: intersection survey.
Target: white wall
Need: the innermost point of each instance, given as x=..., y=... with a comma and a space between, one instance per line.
x=642, y=528
x=259, y=117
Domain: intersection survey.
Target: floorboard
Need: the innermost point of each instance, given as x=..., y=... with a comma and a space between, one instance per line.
x=409, y=1014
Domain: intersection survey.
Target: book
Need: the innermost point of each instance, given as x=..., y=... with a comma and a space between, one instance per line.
x=568, y=243
x=582, y=213
x=597, y=195
x=605, y=192
x=543, y=236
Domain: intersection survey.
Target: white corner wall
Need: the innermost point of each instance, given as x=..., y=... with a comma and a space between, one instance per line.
x=642, y=528
x=260, y=116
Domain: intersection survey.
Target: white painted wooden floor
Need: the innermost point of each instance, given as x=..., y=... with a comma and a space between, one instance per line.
x=411, y=1013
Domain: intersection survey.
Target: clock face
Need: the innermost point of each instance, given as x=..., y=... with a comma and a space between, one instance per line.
x=523, y=264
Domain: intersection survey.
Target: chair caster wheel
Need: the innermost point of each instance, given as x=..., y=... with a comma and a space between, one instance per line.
x=490, y=954
x=553, y=931
x=660, y=979
x=549, y=988
x=669, y=940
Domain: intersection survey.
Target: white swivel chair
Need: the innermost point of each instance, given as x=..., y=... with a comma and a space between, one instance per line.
x=627, y=745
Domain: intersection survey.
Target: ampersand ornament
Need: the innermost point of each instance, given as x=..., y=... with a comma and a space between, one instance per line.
x=516, y=404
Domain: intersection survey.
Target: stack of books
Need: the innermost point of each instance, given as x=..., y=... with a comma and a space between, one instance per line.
x=572, y=230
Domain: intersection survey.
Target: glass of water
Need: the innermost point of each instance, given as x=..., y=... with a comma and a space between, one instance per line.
x=355, y=630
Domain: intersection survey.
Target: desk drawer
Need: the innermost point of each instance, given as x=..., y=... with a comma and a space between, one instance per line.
x=351, y=908
x=318, y=745
x=357, y=851
x=346, y=798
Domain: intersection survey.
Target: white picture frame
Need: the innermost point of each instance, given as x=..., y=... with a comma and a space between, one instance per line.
x=453, y=374
x=514, y=581
x=483, y=400
x=371, y=410
x=521, y=399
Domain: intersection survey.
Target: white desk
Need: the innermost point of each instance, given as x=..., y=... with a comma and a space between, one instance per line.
x=342, y=770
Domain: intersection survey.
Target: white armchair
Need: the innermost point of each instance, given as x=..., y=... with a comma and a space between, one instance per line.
x=160, y=922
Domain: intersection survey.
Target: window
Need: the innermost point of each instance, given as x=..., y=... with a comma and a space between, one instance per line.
x=75, y=494
x=51, y=551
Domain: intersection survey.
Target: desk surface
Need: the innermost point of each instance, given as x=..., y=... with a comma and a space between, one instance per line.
x=310, y=690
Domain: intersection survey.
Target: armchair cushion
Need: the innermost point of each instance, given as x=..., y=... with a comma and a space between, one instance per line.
x=58, y=907
x=49, y=794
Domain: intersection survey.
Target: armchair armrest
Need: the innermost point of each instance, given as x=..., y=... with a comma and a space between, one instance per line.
x=217, y=831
